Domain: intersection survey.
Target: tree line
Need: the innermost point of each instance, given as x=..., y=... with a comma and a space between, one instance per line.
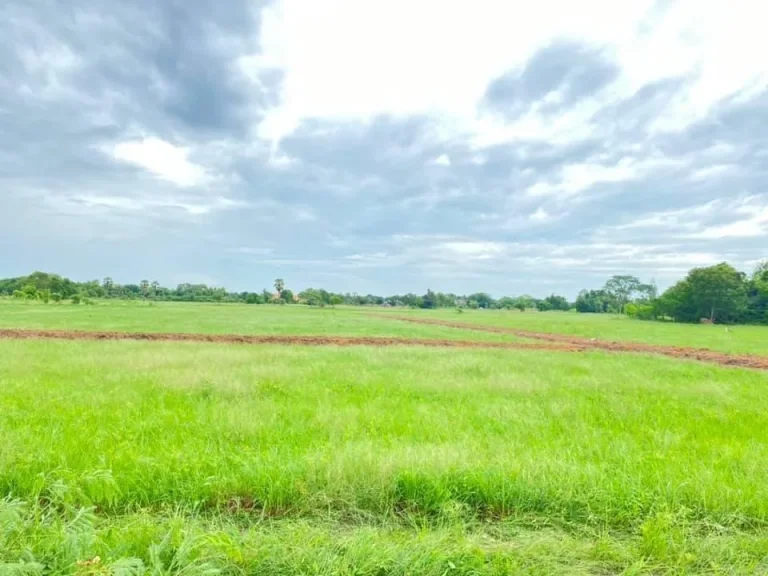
x=718, y=294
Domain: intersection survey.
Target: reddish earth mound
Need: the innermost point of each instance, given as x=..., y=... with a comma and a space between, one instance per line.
x=701, y=354
x=555, y=342
x=22, y=334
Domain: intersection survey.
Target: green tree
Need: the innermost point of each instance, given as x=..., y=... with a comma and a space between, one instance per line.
x=718, y=292
x=622, y=289
x=286, y=296
x=558, y=302
x=279, y=286
x=676, y=303
x=30, y=292
x=144, y=285
x=595, y=301
x=482, y=299
x=506, y=303
x=336, y=299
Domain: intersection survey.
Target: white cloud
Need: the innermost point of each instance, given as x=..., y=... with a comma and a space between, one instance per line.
x=540, y=215
x=104, y=204
x=443, y=160
x=303, y=214
x=339, y=61
x=472, y=250
x=576, y=178
x=753, y=226
x=163, y=159
x=711, y=172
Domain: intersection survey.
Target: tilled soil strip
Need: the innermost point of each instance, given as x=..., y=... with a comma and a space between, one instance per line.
x=552, y=342
x=25, y=334
x=576, y=342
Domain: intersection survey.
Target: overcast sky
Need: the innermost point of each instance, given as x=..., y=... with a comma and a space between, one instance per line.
x=383, y=145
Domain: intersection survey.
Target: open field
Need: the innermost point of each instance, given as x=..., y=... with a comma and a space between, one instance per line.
x=202, y=458
x=201, y=318
x=734, y=340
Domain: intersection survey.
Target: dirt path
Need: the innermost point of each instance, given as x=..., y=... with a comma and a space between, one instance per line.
x=24, y=334
x=553, y=342
x=577, y=342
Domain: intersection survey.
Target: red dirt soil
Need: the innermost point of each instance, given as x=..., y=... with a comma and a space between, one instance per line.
x=552, y=342
x=23, y=334
x=581, y=344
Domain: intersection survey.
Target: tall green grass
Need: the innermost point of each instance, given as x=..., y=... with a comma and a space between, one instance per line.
x=378, y=461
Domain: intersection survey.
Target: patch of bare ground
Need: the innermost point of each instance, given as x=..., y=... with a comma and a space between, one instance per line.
x=581, y=344
x=554, y=342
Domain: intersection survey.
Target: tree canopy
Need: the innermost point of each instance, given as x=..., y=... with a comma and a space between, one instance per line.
x=719, y=294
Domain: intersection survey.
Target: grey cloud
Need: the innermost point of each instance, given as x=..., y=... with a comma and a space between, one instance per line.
x=363, y=206
x=574, y=70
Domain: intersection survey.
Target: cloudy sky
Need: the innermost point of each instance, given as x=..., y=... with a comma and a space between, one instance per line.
x=383, y=145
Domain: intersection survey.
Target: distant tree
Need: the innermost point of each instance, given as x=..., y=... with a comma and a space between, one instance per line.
x=557, y=302
x=108, y=284
x=429, y=300
x=718, y=292
x=56, y=297
x=676, y=303
x=30, y=292
x=757, y=295
x=482, y=299
x=279, y=286
x=144, y=285
x=595, y=301
x=44, y=295
x=506, y=303
x=622, y=289
x=154, y=287
x=286, y=296
x=336, y=299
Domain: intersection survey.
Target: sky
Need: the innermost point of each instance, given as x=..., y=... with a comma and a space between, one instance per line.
x=383, y=146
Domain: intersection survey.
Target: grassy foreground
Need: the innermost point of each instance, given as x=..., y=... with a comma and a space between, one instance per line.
x=190, y=458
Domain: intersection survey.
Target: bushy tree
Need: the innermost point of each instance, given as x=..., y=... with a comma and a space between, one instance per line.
x=718, y=292
x=595, y=301
x=622, y=289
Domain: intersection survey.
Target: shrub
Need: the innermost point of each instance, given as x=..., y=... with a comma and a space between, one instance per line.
x=640, y=311
x=76, y=299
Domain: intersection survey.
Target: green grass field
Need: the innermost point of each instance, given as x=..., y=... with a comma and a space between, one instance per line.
x=183, y=458
x=127, y=316
x=735, y=340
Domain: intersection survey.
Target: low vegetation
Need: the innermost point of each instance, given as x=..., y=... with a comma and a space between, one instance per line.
x=125, y=457
x=158, y=457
